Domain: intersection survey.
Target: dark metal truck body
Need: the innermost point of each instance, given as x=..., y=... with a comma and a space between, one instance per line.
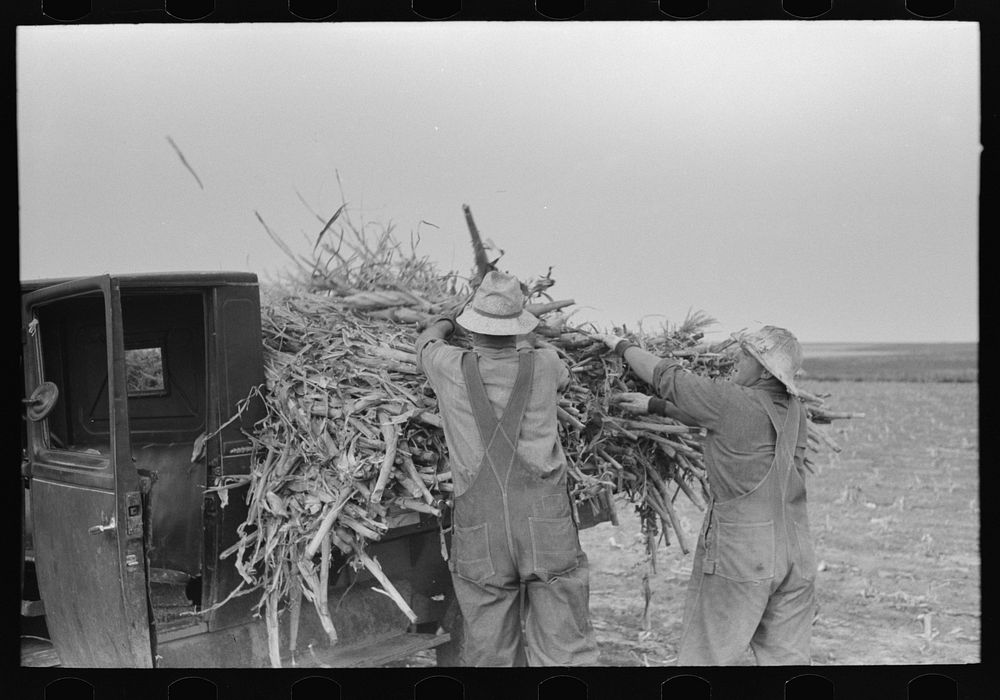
x=120, y=537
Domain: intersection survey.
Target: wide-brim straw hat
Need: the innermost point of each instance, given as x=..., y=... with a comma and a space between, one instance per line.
x=778, y=351
x=497, y=308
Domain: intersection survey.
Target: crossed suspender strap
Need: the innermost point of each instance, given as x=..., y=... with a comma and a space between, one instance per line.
x=784, y=448
x=499, y=436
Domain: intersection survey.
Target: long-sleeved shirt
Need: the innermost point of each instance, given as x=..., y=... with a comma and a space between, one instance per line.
x=538, y=443
x=739, y=447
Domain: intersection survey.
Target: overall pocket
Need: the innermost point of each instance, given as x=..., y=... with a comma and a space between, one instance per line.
x=744, y=551
x=553, y=545
x=471, y=553
x=807, y=555
x=552, y=506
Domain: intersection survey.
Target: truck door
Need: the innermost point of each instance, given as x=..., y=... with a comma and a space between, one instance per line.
x=85, y=502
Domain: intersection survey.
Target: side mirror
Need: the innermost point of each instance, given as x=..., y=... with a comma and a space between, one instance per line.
x=42, y=401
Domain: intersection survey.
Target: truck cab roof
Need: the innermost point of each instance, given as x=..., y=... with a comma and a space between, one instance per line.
x=157, y=279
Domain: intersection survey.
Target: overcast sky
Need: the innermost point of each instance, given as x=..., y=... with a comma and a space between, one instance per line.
x=821, y=176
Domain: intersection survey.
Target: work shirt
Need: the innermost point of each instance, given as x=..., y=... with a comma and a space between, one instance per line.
x=740, y=442
x=538, y=444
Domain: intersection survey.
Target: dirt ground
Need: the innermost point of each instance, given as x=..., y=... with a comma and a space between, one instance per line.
x=895, y=520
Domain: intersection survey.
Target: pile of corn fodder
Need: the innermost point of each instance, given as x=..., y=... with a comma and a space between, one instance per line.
x=352, y=437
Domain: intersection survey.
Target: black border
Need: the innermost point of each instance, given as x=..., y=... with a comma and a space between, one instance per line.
x=883, y=682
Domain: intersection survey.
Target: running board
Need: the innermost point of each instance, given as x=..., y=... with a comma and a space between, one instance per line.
x=38, y=653
x=373, y=653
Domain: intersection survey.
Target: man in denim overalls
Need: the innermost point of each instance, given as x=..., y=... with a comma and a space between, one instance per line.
x=752, y=580
x=513, y=528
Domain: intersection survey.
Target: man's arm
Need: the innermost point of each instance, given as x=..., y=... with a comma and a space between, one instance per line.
x=662, y=407
x=438, y=328
x=699, y=399
x=642, y=362
x=637, y=402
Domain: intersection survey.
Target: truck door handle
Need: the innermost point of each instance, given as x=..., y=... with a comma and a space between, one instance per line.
x=98, y=529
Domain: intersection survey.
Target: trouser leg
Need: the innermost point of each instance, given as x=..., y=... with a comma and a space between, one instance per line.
x=720, y=617
x=492, y=623
x=557, y=620
x=785, y=630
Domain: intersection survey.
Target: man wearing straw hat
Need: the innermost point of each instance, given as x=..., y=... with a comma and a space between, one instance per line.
x=513, y=529
x=752, y=579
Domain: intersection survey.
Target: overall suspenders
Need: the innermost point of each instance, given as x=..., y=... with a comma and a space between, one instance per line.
x=519, y=572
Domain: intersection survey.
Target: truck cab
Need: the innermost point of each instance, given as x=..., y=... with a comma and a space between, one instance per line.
x=130, y=383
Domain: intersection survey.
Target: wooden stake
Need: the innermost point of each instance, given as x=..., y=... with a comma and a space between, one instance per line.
x=478, y=250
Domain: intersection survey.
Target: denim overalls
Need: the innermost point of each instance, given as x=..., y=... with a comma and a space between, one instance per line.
x=752, y=580
x=514, y=533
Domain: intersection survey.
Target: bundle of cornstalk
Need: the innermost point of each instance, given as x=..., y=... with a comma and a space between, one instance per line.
x=650, y=458
x=351, y=434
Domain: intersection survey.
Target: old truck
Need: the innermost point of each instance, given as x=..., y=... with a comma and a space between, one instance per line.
x=121, y=542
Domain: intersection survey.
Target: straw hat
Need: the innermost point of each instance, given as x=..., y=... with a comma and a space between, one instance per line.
x=778, y=351
x=497, y=308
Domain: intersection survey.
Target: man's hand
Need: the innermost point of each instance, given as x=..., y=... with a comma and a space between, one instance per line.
x=435, y=328
x=632, y=402
x=430, y=321
x=610, y=340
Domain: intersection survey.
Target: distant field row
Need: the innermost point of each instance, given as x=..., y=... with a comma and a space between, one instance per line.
x=907, y=362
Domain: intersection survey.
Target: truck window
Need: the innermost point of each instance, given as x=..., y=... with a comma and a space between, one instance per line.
x=165, y=365
x=72, y=336
x=144, y=371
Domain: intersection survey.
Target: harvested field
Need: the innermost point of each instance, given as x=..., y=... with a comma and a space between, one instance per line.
x=903, y=362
